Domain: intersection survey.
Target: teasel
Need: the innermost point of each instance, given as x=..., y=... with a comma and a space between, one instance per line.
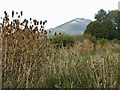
x=16, y=12
x=12, y=14
x=5, y=13
x=36, y=28
x=21, y=13
x=37, y=22
x=41, y=26
x=59, y=33
x=45, y=32
x=44, y=22
x=55, y=34
x=30, y=19
x=18, y=16
x=24, y=21
x=49, y=31
x=40, y=22
x=21, y=24
x=41, y=30
x=50, y=39
x=30, y=27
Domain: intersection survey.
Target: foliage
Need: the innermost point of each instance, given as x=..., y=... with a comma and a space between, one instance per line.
x=101, y=15
x=95, y=29
x=105, y=26
x=102, y=41
x=30, y=60
x=62, y=39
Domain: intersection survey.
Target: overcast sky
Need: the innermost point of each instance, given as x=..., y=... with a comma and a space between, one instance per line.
x=57, y=12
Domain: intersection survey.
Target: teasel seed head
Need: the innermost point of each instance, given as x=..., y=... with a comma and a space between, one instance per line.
x=30, y=19
x=19, y=16
x=44, y=23
x=21, y=13
x=41, y=30
x=12, y=13
x=5, y=12
x=59, y=33
x=40, y=22
x=21, y=23
x=37, y=22
x=50, y=39
x=45, y=32
x=16, y=12
x=49, y=31
x=41, y=26
x=11, y=23
x=55, y=33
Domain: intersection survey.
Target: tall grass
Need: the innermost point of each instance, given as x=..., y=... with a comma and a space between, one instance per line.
x=29, y=59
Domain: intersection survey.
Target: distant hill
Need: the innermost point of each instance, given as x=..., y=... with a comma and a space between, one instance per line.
x=74, y=27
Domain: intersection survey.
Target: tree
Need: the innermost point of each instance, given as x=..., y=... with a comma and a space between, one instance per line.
x=118, y=25
x=95, y=29
x=108, y=31
x=112, y=17
x=100, y=16
x=106, y=25
x=101, y=30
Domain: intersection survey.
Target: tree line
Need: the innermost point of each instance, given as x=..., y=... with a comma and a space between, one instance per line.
x=106, y=25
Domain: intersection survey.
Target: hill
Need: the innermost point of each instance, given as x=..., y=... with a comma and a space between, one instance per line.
x=74, y=27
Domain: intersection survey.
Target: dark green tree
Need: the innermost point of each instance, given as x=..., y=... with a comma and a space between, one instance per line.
x=100, y=16
x=106, y=25
x=101, y=30
x=108, y=31
x=95, y=29
x=112, y=17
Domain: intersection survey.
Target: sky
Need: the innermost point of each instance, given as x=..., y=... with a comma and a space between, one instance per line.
x=57, y=12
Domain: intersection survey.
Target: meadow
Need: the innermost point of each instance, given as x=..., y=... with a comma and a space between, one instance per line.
x=30, y=59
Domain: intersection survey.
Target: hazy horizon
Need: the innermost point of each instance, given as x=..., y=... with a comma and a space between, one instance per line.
x=57, y=12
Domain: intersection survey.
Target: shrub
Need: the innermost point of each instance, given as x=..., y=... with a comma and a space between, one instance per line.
x=114, y=41
x=90, y=37
x=62, y=39
x=102, y=41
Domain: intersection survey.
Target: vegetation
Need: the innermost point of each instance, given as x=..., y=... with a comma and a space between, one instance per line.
x=62, y=39
x=30, y=59
x=105, y=26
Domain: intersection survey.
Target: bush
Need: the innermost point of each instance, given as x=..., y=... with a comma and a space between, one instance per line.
x=90, y=37
x=62, y=39
x=102, y=41
x=114, y=41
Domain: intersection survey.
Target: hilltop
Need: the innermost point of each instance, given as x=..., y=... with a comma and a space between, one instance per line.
x=73, y=27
